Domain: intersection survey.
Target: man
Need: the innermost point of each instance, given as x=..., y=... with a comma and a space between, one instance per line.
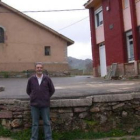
x=40, y=88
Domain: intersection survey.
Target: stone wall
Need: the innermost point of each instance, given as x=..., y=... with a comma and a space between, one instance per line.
x=123, y=69
x=20, y=67
x=76, y=72
x=129, y=69
x=98, y=113
x=28, y=73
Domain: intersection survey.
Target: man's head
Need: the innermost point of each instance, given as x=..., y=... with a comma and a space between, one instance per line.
x=39, y=68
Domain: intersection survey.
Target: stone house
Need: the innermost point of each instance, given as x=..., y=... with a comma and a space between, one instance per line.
x=25, y=41
x=115, y=35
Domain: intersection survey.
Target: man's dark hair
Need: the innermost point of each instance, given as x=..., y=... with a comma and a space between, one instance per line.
x=38, y=63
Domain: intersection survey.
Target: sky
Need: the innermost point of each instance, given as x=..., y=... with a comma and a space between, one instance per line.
x=72, y=24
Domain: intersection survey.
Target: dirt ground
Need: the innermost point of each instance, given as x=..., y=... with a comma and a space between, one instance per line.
x=113, y=138
x=119, y=138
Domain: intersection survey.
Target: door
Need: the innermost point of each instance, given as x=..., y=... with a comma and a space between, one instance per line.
x=130, y=47
x=103, y=68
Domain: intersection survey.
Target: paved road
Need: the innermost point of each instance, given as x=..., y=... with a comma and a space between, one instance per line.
x=71, y=87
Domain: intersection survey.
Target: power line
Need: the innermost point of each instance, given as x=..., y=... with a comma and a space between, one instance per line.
x=73, y=23
x=64, y=10
x=55, y=10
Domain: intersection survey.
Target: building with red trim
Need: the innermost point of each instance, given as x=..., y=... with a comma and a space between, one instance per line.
x=115, y=35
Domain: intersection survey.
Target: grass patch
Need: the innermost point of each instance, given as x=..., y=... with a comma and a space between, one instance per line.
x=136, y=132
x=91, y=123
x=5, y=74
x=73, y=135
x=4, y=132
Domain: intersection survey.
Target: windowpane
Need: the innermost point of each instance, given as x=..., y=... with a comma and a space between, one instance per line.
x=130, y=36
x=99, y=17
x=131, y=52
x=130, y=47
x=1, y=35
x=47, y=50
x=97, y=20
x=126, y=3
x=131, y=42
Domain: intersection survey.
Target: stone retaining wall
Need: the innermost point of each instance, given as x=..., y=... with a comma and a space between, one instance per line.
x=98, y=113
x=123, y=69
x=28, y=73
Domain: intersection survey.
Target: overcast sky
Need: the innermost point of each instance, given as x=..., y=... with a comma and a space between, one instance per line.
x=72, y=24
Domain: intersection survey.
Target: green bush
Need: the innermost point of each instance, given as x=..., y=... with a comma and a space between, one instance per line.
x=5, y=74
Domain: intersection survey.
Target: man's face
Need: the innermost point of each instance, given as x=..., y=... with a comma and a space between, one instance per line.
x=39, y=69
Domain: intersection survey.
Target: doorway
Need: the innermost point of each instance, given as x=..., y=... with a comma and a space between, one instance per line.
x=103, y=68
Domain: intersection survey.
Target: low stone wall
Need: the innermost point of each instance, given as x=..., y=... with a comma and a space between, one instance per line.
x=123, y=69
x=76, y=72
x=97, y=113
x=28, y=73
x=24, y=66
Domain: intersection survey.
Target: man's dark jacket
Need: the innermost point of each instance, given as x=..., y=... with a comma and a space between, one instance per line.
x=40, y=94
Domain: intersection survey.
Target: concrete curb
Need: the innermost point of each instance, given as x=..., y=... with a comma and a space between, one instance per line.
x=71, y=102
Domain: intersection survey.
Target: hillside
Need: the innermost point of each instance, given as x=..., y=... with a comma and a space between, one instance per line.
x=80, y=64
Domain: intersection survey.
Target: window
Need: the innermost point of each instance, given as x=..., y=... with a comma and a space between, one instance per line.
x=47, y=50
x=1, y=35
x=130, y=48
x=101, y=44
x=99, y=17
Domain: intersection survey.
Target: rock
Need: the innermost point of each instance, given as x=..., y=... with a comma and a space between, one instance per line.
x=5, y=114
x=66, y=72
x=17, y=116
x=103, y=119
x=16, y=123
x=124, y=114
x=2, y=88
x=6, y=123
x=66, y=116
x=118, y=106
x=95, y=109
x=131, y=130
x=71, y=102
x=83, y=115
x=27, y=125
x=82, y=109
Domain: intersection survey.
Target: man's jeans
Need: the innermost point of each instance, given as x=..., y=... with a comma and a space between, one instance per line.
x=45, y=115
